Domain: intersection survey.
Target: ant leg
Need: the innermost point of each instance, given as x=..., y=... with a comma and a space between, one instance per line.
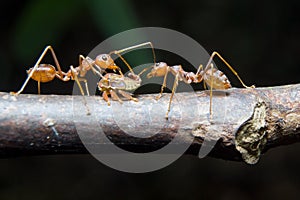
x=37, y=65
x=228, y=65
x=76, y=79
x=86, y=85
x=98, y=72
x=127, y=95
x=210, y=93
x=39, y=87
x=80, y=88
x=204, y=85
x=164, y=84
x=200, y=69
x=81, y=58
x=171, y=97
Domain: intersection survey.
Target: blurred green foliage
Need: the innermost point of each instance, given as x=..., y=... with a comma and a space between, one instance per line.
x=41, y=23
x=44, y=22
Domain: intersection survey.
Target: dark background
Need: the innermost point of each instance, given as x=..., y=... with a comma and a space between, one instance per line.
x=261, y=39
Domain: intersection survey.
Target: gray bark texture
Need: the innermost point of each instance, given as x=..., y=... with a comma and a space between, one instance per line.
x=245, y=123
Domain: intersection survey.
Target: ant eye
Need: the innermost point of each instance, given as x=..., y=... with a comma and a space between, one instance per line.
x=104, y=58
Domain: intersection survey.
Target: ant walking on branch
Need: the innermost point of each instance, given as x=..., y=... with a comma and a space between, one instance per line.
x=211, y=76
x=47, y=72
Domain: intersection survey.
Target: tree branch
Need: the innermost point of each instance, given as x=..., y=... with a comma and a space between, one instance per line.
x=245, y=122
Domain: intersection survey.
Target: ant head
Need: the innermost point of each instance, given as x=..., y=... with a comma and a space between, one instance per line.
x=158, y=69
x=104, y=61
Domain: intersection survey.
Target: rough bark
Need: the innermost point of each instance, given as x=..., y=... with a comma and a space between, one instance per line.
x=244, y=124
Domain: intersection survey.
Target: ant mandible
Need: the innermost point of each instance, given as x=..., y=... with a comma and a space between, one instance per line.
x=211, y=76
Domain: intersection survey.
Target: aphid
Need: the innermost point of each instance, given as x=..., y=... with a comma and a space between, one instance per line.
x=113, y=84
x=211, y=76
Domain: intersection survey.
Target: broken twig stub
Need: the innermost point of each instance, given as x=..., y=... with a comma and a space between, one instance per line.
x=250, y=139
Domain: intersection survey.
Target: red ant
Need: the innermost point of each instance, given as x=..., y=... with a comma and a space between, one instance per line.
x=47, y=72
x=211, y=76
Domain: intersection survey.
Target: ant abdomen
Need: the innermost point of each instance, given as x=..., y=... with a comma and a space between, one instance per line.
x=44, y=73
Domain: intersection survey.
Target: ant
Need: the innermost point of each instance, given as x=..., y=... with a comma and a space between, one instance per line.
x=211, y=76
x=47, y=72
